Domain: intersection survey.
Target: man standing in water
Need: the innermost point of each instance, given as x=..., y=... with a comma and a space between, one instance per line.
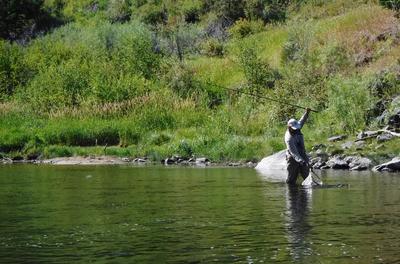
x=296, y=157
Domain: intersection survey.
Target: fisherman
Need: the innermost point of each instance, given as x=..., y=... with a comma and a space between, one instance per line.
x=296, y=157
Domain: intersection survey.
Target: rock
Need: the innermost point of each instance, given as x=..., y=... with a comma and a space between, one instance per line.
x=337, y=138
x=384, y=137
x=126, y=159
x=391, y=166
x=201, y=161
x=359, y=145
x=347, y=145
x=251, y=164
x=234, y=164
x=6, y=161
x=139, y=160
x=394, y=120
x=358, y=163
x=192, y=160
x=169, y=161
x=367, y=134
x=317, y=163
x=337, y=163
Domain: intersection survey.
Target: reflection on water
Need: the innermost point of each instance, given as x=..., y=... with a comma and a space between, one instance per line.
x=298, y=206
x=194, y=215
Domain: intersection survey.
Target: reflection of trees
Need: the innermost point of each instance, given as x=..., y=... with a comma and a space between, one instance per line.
x=297, y=227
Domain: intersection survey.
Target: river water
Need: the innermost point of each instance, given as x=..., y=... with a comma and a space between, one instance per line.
x=121, y=214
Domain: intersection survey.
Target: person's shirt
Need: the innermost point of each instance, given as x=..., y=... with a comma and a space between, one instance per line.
x=295, y=142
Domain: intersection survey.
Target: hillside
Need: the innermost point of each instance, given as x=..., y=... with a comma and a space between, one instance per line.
x=157, y=78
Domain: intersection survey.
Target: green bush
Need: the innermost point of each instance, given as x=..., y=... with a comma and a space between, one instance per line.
x=118, y=10
x=299, y=42
x=60, y=86
x=213, y=47
x=152, y=14
x=348, y=102
x=258, y=73
x=13, y=72
x=243, y=27
x=392, y=4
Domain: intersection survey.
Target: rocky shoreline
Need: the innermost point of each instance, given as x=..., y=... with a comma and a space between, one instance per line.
x=111, y=160
x=321, y=161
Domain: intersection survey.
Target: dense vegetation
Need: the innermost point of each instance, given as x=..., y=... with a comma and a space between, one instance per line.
x=155, y=78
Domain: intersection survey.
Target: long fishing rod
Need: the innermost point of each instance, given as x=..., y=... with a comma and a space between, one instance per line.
x=265, y=97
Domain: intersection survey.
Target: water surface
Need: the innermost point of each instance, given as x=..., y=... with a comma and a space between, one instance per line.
x=121, y=214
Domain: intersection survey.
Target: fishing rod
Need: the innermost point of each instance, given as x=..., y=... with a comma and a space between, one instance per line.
x=265, y=97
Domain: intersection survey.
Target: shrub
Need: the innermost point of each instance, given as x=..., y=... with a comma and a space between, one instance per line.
x=13, y=72
x=118, y=10
x=258, y=73
x=181, y=79
x=392, y=4
x=267, y=10
x=299, y=42
x=348, y=101
x=58, y=87
x=243, y=27
x=152, y=14
x=213, y=47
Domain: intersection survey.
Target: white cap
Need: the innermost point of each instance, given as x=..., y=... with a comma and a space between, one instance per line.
x=294, y=124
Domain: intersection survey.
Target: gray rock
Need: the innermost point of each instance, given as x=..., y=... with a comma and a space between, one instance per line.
x=392, y=166
x=384, y=137
x=358, y=163
x=337, y=138
x=367, y=134
x=347, y=145
x=251, y=164
x=234, y=164
x=169, y=161
x=201, y=160
x=317, y=163
x=139, y=160
x=359, y=145
x=394, y=120
x=337, y=163
x=126, y=159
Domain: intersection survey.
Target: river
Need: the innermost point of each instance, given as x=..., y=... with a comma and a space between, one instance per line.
x=122, y=214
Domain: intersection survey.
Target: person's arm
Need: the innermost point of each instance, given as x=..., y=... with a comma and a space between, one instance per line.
x=304, y=118
x=292, y=148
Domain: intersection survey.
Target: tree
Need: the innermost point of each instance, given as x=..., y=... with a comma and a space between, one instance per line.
x=24, y=18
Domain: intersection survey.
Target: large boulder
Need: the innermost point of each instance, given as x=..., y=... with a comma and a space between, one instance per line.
x=273, y=167
x=393, y=165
